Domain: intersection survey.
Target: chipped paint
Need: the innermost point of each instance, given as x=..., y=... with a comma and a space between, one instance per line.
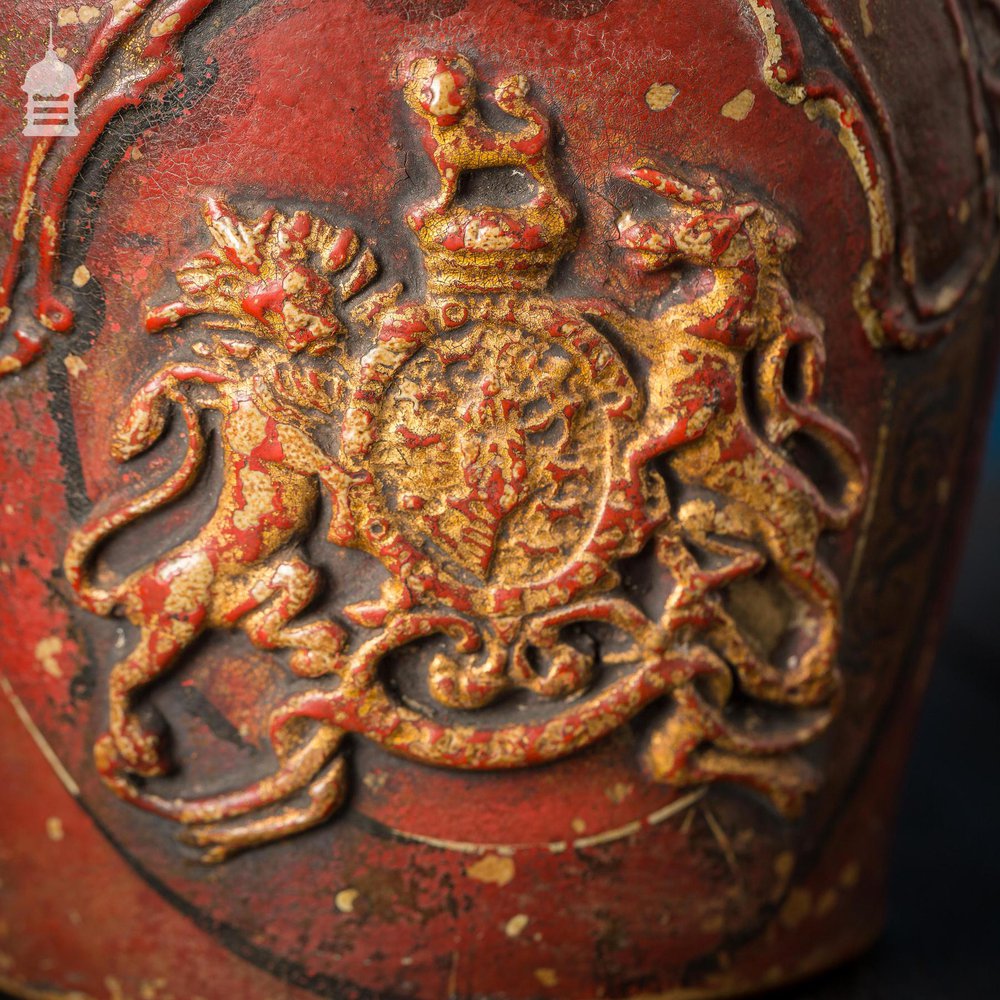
x=739, y=107
x=797, y=907
x=661, y=96
x=345, y=900
x=850, y=875
x=619, y=792
x=47, y=653
x=492, y=869
x=75, y=365
x=827, y=903
x=867, y=25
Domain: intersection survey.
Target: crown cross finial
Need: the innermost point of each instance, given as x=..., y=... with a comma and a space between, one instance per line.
x=486, y=248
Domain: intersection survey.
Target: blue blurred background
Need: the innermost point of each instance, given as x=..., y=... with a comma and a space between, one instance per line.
x=993, y=452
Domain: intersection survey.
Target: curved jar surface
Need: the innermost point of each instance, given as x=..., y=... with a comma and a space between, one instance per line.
x=479, y=484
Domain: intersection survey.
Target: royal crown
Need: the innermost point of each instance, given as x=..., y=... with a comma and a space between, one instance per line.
x=484, y=248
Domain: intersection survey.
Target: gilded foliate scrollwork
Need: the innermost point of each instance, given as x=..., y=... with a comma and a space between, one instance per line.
x=501, y=458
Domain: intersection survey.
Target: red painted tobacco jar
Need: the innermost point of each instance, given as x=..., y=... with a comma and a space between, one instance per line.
x=478, y=484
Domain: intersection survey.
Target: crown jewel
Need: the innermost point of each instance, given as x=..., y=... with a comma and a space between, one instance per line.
x=484, y=248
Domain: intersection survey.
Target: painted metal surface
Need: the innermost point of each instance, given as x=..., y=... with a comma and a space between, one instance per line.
x=484, y=476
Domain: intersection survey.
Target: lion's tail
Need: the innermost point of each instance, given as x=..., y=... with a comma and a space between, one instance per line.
x=87, y=539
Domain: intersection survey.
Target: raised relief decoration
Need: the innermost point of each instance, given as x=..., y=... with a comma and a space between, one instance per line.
x=503, y=453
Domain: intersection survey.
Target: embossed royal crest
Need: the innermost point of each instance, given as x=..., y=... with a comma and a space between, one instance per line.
x=502, y=451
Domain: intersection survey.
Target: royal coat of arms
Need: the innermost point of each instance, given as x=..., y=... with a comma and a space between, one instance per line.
x=503, y=453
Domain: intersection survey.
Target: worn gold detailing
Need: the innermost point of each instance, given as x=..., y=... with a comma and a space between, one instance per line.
x=484, y=248
x=130, y=56
x=502, y=459
x=893, y=304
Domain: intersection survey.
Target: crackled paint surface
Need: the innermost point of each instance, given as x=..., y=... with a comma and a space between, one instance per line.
x=469, y=457
x=496, y=457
